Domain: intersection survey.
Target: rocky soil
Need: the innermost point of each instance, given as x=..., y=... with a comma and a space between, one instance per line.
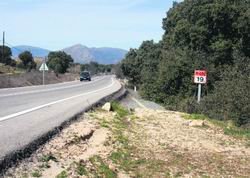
x=189, y=150
x=141, y=143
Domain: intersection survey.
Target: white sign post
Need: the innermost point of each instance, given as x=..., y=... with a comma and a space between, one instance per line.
x=200, y=77
x=44, y=68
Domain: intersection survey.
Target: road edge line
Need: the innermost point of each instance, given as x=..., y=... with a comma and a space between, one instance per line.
x=14, y=158
x=10, y=116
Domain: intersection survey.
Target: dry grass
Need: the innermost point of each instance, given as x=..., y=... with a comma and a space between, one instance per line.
x=33, y=78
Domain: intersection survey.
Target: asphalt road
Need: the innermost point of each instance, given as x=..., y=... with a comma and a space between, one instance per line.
x=27, y=113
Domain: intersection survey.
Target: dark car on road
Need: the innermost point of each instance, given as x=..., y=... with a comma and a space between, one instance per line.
x=85, y=76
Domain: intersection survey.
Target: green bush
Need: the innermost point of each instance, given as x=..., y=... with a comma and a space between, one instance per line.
x=122, y=112
x=210, y=35
x=230, y=99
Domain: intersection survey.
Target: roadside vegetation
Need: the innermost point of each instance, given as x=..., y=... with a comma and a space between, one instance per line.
x=24, y=71
x=228, y=127
x=59, y=61
x=26, y=61
x=212, y=35
x=6, y=54
x=96, y=68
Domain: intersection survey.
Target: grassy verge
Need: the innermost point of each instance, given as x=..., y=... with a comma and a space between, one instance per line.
x=122, y=112
x=228, y=127
x=126, y=155
x=5, y=69
x=95, y=166
x=63, y=174
x=36, y=173
x=101, y=169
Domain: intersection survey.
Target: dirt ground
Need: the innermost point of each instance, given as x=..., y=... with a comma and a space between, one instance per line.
x=186, y=151
x=141, y=143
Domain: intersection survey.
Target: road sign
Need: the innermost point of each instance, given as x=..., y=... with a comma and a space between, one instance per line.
x=200, y=76
x=44, y=67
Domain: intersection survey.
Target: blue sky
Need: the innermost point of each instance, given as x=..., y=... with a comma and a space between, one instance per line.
x=55, y=24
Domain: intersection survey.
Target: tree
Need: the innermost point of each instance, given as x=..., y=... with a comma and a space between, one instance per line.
x=199, y=34
x=59, y=61
x=27, y=60
x=231, y=96
x=150, y=53
x=118, y=71
x=95, y=67
x=131, y=67
x=6, y=58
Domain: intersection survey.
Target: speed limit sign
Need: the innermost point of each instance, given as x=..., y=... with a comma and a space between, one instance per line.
x=200, y=76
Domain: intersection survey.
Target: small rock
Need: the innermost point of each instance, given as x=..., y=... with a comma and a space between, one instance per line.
x=130, y=110
x=107, y=107
x=112, y=167
x=230, y=124
x=186, y=123
x=196, y=123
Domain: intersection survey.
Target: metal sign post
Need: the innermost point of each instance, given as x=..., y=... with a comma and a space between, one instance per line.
x=44, y=68
x=43, y=76
x=199, y=93
x=200, y=77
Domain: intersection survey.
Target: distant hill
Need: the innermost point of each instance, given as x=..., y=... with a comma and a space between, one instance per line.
x=83, y=54
x=80, y=53
x=108, y=55
x=36, y=51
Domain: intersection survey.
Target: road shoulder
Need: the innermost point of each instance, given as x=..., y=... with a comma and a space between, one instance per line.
x=140, y=143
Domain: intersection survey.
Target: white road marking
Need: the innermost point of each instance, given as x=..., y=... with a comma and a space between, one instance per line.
x=36, y=86
x=52, y=103
x=46, y=90
x=139, y=103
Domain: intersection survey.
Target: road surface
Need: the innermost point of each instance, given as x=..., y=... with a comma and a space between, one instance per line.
x=27, y=113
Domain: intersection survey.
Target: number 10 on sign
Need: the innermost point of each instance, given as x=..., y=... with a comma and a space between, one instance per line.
x=200, y=77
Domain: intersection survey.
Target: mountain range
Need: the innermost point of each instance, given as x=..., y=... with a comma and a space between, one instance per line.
x=83, y=54
x=36, y=51
x=80, y=53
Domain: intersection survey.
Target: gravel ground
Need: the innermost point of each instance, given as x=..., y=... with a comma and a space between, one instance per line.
x=186, y=151
x=189, y=151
